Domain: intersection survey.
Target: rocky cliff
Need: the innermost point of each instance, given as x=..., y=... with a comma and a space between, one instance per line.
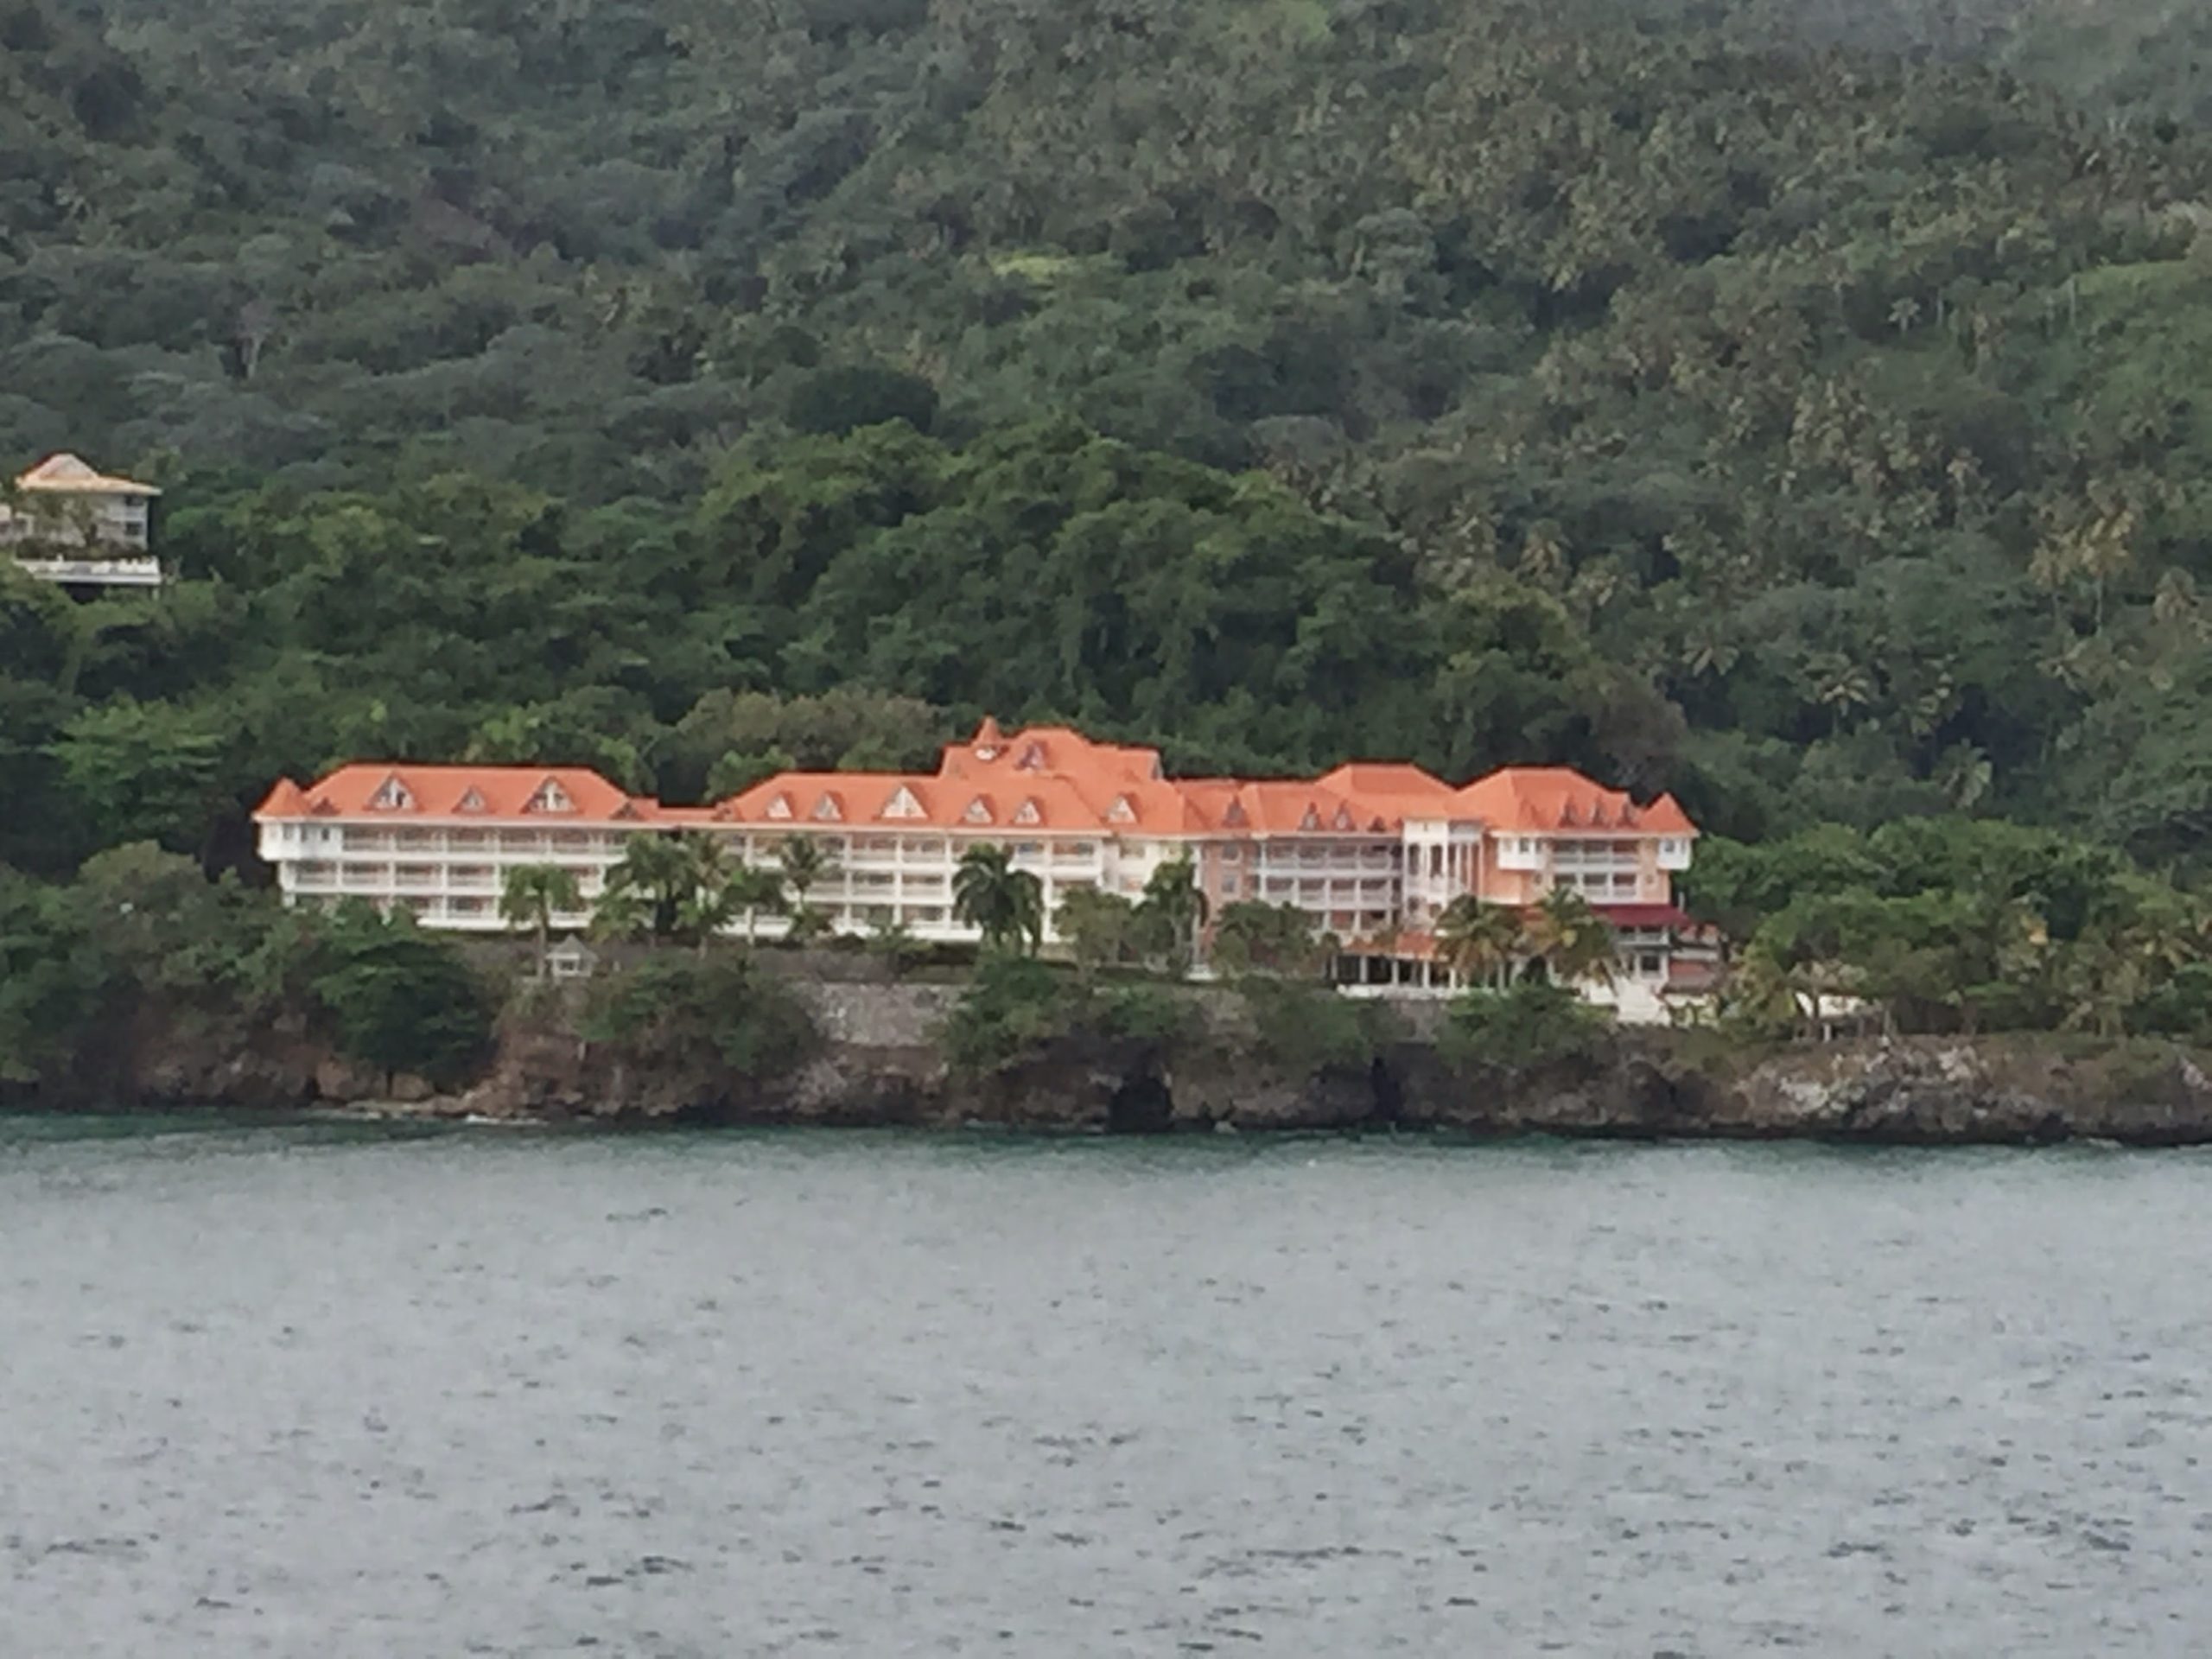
x=879, y=1064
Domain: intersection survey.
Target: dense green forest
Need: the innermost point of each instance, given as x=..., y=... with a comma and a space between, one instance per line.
x=1794, y=404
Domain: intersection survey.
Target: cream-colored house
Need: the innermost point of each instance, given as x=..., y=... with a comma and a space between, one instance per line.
x=70, y=523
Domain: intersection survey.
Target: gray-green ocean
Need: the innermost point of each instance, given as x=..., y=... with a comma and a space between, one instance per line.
x=342, y=1392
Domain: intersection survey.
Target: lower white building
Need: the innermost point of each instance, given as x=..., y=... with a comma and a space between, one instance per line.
x=1371, y=852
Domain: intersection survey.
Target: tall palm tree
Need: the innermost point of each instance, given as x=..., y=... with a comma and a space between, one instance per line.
x=622, y=914
x=805, y=862
x=532, y=895
x=1179, y=907
x=753, y=888
x=1005, y=905
x=1479, y=941
x=660, y=871
x=1574, y=942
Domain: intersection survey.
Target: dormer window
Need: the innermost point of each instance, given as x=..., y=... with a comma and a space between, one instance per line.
x=1343, y=819
x=1122, y=811
x=391, y=796
x=472, y=800
x=1033, y=759
x=1233, y=817
x=1028, y=812
x=827, y=810
x=1310, y=821
x=550, y=798
x=978, y=812
x=780, y=807
x=902, y=804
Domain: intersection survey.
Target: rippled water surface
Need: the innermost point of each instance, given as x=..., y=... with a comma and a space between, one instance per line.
x=334, y=1393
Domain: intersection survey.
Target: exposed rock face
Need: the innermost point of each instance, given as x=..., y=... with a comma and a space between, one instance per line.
x=879, y=1064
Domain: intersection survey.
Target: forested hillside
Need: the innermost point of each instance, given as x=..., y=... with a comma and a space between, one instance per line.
x=1797, y=405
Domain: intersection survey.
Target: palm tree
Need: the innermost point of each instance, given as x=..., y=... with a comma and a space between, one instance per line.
x=1479, y=941
x=706, y=911
x=1179, y=906
x=805, y=862
x=622, y=913
x=1574, y=942
x=661, y=872
x=1096, y=926
x=532, y=895
x=1007, y=906
x=752, y=889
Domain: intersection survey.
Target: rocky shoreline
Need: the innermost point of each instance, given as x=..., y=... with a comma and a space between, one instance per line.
x=877, y=1065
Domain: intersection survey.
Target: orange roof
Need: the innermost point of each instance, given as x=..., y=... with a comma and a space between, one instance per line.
x=1385, y=777
x=1555, y=799
x=65, y=474
x=371, y=790
x=1040, y=779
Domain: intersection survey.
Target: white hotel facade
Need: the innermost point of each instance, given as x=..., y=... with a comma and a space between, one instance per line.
x=1371, y=853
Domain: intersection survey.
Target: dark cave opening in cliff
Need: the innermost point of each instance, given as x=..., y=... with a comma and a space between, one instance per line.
x=1143, y=1105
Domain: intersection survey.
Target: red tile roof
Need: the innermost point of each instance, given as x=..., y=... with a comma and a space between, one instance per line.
x=555, y=793
x=1556, y=799
x=1041, y=780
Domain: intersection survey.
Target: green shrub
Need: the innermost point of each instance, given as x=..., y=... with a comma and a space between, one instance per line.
x=1142, y=1012
x=1309, y=1027
x=1013, y=1009
x=1529, y=1024
x=717, y=1011
x=401, y=1000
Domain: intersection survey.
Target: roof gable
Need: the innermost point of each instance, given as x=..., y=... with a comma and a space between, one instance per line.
x=392, y=796
x=550, y=797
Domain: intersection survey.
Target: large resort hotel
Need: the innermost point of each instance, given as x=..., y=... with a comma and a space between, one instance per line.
x=1372, y=853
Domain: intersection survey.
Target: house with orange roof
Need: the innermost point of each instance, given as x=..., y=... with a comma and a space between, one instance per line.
x=1371, y=852
x=75, y=524
x=437, y=841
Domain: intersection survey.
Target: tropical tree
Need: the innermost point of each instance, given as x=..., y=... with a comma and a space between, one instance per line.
x=622, y=914
x=662, y=871
x=1254, y=937
x=1099, y=926
x=1574, y=942
x=706, y=911
x=807, y=862
x=1177, y=906
x=753, y=888
x=1007, y=906
x=1479, y=942
x=532, y=895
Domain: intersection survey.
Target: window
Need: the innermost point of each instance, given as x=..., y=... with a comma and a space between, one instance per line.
x=550, y=798
x=391, y=796
x=1122, y=811
x=827, y=810
x=1310, y=821
x=902, y=804
x=978, y=812
x=1029, y=813
x=780, y=807
x=472, y=800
